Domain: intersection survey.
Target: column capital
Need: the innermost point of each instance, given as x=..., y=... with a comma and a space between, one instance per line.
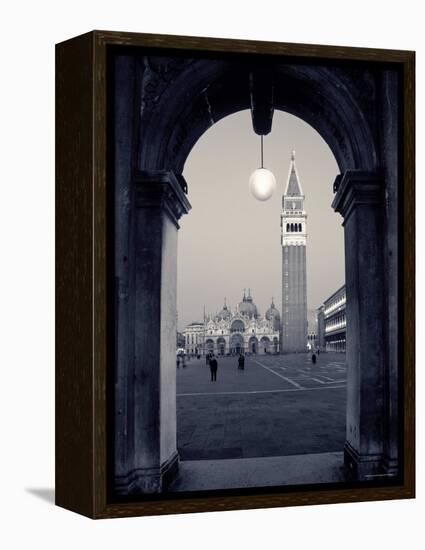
x=356, y=187
x=161, y=189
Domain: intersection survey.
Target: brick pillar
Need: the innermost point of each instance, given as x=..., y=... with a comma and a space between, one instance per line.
x=359, y=199
x=158, y=203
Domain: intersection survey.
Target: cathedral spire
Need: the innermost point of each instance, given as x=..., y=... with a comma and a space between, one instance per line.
x=293, y=185
x=293, y=222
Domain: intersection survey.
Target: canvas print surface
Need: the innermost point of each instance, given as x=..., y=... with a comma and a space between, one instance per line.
x=254, y=273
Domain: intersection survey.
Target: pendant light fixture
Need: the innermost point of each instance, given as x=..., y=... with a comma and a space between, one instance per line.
x=262, y=182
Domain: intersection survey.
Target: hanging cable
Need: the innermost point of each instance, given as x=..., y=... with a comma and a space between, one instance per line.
x=262, y=152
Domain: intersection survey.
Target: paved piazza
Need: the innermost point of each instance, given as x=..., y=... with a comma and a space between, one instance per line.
x=279, y=405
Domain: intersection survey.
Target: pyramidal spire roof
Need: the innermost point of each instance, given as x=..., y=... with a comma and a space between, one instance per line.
x=293, y=185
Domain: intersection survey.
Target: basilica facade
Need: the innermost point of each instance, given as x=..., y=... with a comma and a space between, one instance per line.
x=242, y=330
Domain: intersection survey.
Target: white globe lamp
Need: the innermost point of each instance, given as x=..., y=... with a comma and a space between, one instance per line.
x=262, y=182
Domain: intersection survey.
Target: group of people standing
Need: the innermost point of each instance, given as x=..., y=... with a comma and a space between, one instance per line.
x=211, y=361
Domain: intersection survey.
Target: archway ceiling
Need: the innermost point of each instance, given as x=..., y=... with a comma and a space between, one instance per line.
x=180, y=102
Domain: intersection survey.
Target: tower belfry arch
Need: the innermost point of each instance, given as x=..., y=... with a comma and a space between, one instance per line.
x=165, y=104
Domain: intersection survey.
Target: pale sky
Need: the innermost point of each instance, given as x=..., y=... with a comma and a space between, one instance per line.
x=230, y=241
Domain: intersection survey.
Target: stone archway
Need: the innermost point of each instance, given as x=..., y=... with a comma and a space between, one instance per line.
x=209, y=345
x=253, y=344
x=164, y=106
x=237, y=326
x=236, y=344
x=221, y=346
x=265, y=345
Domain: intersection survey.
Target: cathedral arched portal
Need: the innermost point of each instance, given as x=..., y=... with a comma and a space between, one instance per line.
x=237, y=326
x=221, y=346
x=209, y=345
x=236, y=344
x=265, y=345
x=253, y=344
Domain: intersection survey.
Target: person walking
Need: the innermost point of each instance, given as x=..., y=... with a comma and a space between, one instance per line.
x=213, y=368
x=178, y=361
x=313, y=358
x=241, y=361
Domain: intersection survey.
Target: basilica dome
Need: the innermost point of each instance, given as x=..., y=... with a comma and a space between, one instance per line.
x=247, y=307
x=273, y=314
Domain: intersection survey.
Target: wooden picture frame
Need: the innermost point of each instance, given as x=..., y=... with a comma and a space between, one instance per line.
x=82, y=353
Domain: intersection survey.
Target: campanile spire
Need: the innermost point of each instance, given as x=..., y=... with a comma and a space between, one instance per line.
x=293, y=221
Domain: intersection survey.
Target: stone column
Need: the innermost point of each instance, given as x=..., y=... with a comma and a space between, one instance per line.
x=360, y=200
x=389, y=144
x=159, y=202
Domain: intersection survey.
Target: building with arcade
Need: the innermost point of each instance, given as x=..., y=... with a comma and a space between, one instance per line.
x=241, y=330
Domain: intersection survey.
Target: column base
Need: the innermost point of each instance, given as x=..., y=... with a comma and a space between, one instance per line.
x=363, y=467
x=391, y=466
x=152, y=480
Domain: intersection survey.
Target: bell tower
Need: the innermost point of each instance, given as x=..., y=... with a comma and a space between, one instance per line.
x=293, y=222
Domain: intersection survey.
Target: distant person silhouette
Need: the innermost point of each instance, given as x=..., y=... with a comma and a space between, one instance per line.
x=313, y=358
x=213, y=368
x=241, y=362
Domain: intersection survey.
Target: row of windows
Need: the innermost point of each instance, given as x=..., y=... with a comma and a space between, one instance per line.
x=291, y=227
x=337, y=322
x=336, y=345
x=336, y=303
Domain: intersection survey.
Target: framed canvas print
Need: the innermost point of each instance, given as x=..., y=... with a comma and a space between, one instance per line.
x=235, y=274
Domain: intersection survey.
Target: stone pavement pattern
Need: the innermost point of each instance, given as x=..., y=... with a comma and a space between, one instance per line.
x=279, y=405
x=270, y=471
